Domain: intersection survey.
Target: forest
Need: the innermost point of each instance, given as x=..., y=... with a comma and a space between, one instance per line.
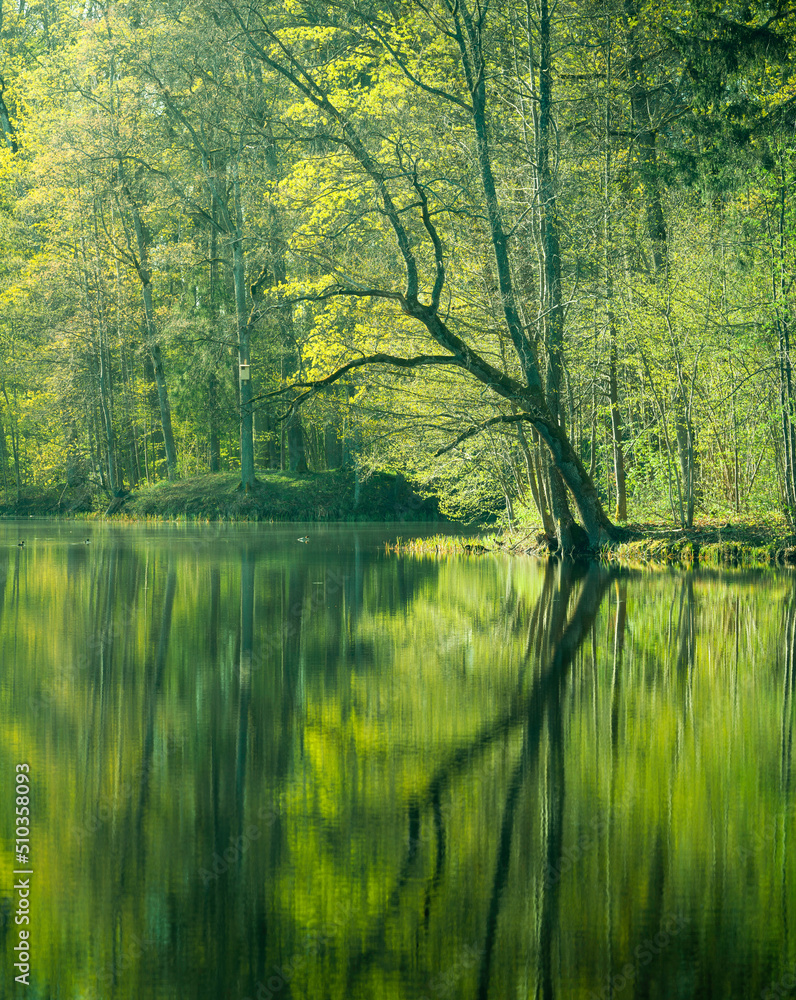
x=535, y=254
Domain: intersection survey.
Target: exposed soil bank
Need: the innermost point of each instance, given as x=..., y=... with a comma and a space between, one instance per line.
x=644, y=545
x=278, y=496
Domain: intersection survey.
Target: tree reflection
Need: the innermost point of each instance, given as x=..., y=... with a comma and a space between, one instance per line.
x=355, y=776
x=562, y=617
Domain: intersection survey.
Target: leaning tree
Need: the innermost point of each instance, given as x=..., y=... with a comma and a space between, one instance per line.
x=447, y=55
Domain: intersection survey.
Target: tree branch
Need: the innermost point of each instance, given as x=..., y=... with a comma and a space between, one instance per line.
x=434, y=91
x=303, y=81
x=6, y=124
x=472, y=431
x=431, y=229
x=370, y=359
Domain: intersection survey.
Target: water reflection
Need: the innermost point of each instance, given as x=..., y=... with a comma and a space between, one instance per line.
x=264, y=769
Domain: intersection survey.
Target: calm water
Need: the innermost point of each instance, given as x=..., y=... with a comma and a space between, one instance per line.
x=262, y=769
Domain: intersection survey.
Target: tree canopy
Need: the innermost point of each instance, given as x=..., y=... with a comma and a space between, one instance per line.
x=537, y=255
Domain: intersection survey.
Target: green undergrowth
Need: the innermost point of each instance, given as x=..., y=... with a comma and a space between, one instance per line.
x=277, y=496
x=709, y=544
x=712, y=545
x=444, y=545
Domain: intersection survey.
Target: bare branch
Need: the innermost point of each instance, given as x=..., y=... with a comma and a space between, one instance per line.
x=472, y=431
x=435, y=91
x=369, y=359
x=431, y=229
x=302, y=80
x=334, y=291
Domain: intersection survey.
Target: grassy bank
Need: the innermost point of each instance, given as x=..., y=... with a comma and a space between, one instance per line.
x=644, y=545
x=278, y=496
x=707, y=544
x=335, y=496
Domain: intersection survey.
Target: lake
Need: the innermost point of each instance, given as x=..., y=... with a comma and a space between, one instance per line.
x=266, y=769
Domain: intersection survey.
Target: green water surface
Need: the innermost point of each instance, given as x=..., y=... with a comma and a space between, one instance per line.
x=262, y=768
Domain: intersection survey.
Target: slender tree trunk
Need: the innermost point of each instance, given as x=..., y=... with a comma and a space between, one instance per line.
x=214, y=444
x=4, y=457
x=104, y=382
x=107, y=422
x=248, y=479
x=537, y=491
x=616, y=426
x=332, y=447
x=129, y=412
x=781, y=278
x=296, y=445
x=72, y=461
x=643, y=101
x=569, y=533
x=150, y=328
x=101, y=357
x=94, y=445
x=14, y=445
x=613, y=388
x=296, y=442
x=786, y=416
x=213, y=414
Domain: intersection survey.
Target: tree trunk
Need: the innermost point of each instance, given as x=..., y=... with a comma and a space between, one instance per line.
x=537, y=491
x=247, y=475
x=786, y=416
x=107, y=422
x=598, y=527
x=296, y=445
x=72, y=458
x=332, y=447
x=105, y=406
x=4, y=457
x=781, y=281
x=570, y=535
x=214, y=445
x=616, y=427
x=613, y=388
x=150, y=329
x=164, y=406
x=643, y=100
x=213, y=415
x=14, y=445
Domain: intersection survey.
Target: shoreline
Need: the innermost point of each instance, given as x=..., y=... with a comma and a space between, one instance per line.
x=335, y=495
x=646, y=546
x=338, y=496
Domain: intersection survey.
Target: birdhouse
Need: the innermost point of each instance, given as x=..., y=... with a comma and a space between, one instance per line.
x=245, y=375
